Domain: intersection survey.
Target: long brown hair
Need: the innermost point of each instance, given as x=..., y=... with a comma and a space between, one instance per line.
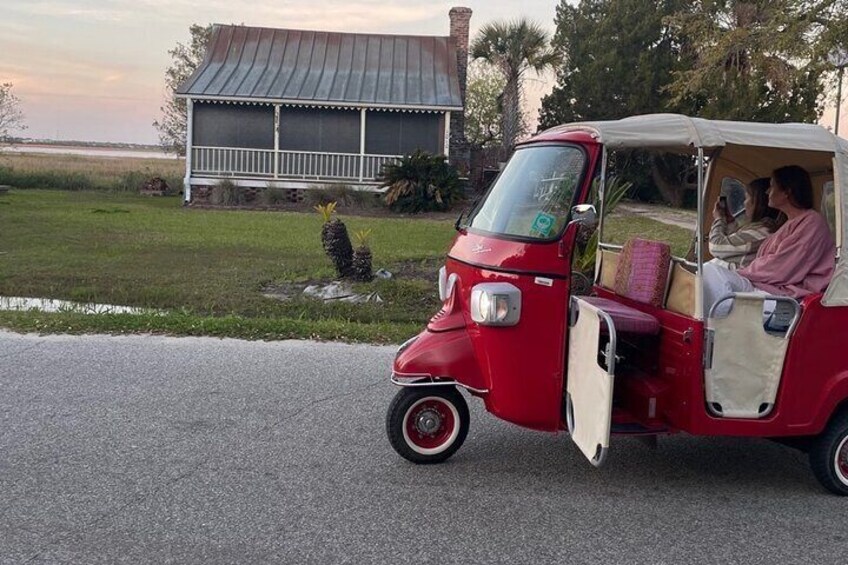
x=758, y=192
x=796, y=181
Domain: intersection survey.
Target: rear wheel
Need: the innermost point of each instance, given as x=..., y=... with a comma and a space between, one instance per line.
x=427, y=424
x=829, y=456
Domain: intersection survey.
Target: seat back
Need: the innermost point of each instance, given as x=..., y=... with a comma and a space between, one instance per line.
x=681, y=291
x=643, y=270
x=609, y=266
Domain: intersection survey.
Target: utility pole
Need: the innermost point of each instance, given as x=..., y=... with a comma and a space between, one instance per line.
x=839, y=59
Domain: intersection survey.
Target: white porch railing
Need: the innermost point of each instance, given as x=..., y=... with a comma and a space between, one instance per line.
x=307, y=165
x=232, y=161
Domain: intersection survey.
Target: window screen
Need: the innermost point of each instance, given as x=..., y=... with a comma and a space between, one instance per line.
x=224, y=125
x=400, y=133
x=319, y=129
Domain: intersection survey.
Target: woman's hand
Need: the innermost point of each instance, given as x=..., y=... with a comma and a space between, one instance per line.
x=719, y=213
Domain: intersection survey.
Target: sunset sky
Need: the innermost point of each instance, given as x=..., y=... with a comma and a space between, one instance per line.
x=93, y=69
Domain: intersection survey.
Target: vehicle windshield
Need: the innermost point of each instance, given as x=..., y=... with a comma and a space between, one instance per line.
x=532, y=196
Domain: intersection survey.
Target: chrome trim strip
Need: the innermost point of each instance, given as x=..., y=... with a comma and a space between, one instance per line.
x=405, y=345
x=795, y=304
x=699, y=231
x=611, y=246
x=396, y=380
x=602, y=189
x=611, y=346
x=683, y=261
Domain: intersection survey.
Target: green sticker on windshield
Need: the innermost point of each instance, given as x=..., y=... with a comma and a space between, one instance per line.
x=542, y=225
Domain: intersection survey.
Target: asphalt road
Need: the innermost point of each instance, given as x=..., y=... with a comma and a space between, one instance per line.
x=164, y=450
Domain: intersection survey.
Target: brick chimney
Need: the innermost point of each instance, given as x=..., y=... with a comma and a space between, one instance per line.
x=459, y=20
x=459, y=31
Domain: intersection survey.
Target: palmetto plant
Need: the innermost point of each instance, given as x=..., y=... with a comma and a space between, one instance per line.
x=335, y=240
x=420, y=182
x=362, y=261
x=587, y=238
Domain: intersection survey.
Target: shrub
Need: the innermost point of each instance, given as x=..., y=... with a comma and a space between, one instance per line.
x=420, y=182
x=587, y=239
x=318, y=196
x=347, y=195
x=342, y=194
x=226, y=193
x=272, y=196
x=130, y=181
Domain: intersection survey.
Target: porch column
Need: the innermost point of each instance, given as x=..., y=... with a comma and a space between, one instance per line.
x=447, y=134
x=189, y=135
x=276, y=140
x=361, y=144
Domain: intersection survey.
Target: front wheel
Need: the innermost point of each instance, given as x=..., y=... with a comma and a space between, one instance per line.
x=829, y=456
x=427, y=424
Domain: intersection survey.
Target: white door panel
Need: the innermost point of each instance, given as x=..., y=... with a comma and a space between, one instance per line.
x=590, y=386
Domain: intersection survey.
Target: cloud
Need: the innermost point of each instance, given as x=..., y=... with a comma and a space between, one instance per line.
x=47, y=72
x=104, y=59
x=364, y=15
x=104, y=11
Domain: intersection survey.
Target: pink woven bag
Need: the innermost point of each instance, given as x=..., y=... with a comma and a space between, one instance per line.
x=642, y=272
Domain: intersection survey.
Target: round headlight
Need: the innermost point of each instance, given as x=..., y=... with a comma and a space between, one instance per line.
x=485, y=304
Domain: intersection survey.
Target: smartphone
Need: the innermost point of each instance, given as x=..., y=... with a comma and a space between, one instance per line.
x=722, y=202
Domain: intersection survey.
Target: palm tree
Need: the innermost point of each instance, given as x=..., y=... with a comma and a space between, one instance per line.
x=513, y=48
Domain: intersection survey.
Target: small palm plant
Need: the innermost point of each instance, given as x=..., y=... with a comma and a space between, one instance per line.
x=335, y=239
x=420, y=182
x=361, y=268
x=587, y=238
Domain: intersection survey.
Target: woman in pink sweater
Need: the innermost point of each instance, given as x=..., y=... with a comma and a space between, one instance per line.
x=797, y=260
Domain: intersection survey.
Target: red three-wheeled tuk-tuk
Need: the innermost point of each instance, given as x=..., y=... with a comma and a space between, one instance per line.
x=628, y=358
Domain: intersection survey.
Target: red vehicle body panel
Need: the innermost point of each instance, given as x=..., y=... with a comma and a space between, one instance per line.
x=519, y=371
x=521, y=367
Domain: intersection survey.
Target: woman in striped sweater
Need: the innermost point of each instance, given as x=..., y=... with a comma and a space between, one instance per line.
x=735, y=246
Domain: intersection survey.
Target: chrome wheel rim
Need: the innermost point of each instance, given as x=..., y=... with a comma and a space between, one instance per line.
x=431, y=425
x=840, y=461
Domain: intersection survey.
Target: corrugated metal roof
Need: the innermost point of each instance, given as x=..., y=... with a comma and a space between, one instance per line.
x=388, y=71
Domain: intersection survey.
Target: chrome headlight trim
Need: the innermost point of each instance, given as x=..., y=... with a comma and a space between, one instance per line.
x=496, y=304
x=446, y=283
x=405, y=345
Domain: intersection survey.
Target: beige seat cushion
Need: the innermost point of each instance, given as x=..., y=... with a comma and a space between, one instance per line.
x=609, y=265
x=681, y=294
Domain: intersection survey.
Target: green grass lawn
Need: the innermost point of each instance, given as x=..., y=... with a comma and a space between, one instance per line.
x=618, y=228
x=139, y=251
x=208, y=268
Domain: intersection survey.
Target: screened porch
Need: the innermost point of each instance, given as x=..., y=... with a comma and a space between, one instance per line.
x=276, y=142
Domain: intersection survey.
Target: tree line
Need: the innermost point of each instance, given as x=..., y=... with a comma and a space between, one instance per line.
x=762, y=60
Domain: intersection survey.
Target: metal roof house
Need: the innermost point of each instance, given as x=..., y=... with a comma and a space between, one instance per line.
x=298, y=109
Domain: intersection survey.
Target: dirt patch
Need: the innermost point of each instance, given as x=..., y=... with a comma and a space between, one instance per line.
x=423, y=270
x=427, y=269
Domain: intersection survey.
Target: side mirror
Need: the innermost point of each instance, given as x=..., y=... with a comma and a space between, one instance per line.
x=584, y=214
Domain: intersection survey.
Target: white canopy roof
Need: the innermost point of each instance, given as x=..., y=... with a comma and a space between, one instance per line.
x=676, y=131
